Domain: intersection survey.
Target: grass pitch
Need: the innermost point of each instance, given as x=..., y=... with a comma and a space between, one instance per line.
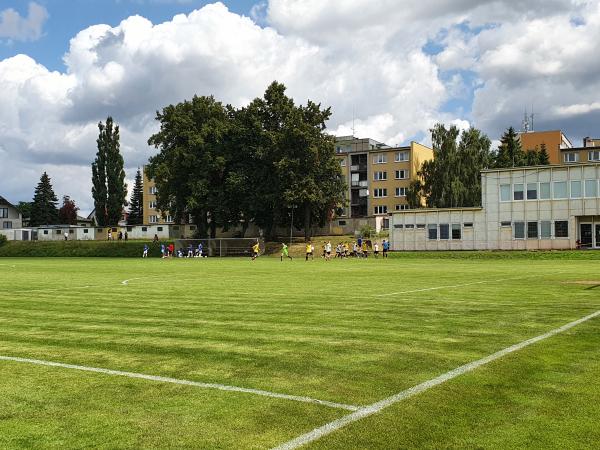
x=351, y=332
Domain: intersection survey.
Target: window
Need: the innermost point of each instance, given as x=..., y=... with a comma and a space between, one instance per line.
x=400, y=192
x=176, y=228
x=518, y=192
x=169, y=219
x=380, y=176
x=144, y=228
x=411, y=226
x=571, y=157
x=398, y=226
x=421, y=226
x=380, y=159
x=343, y=162
x=192, y=227
x=401, y=156
x=100, y=230
x=591, y=188
x=505, y=192
x=444, y=231
x=342, y=223
x=85, y=231
x=532, y=230
x=45, y=231
x=114, y=230
x=71, y=231
x=7, y=225
x=153, y=219
x=561, y=229
x=519, y=229
x=401, y=174
x=468, y=224
x=153, y=190
x=130, y=229
x=531, y=191
x=545, y=229
x=575, y=189
x=560, y=189
x=456, y=231
x=506, y=223
x=152, y=205
x=3, y=213
x=380, y=209
x=58, y=231
x=159, y=228
x=380, y=192
x=594, y=156
x=432, y=232
x=544, y=191
x=401, y=207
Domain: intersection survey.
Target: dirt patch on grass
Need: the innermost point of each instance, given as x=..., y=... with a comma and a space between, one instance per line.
x=584, y=282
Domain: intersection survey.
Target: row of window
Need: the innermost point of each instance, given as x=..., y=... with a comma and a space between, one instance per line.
x=521, y=230
x=574, y=156
x=383, y=192
x=154, y=219
x=152, y=190
x=383, y=209
x=382, y=176
x=545, y=191
x=382, y=158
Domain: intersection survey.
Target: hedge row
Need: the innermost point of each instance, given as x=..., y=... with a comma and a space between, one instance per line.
x=115, y=249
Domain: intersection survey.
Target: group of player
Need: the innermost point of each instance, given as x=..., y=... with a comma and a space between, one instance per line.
x=357, y=249
x=168, y=251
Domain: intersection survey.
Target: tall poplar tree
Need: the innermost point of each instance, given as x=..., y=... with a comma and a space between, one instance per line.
x=136, y=205
x=108, y=176
x=43, y=207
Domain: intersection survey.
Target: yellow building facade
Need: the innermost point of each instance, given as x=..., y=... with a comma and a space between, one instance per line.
x=152, y=215
x=377, y=175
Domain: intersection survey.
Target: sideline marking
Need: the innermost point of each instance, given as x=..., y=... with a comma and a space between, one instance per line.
x=389, y=294
x=221, y=387
x=376, y=407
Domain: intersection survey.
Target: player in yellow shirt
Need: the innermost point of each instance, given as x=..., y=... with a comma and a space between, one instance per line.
x=309, y=251
x=255, y=251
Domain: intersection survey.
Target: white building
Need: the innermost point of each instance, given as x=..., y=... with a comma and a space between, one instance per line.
x=11, y=220
x=526, y=208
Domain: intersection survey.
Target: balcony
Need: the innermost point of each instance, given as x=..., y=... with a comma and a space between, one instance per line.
x=360, y=184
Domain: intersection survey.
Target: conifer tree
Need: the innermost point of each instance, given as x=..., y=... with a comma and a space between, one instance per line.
x=510, y=153
x=43, y=208
x=543, y=157
x=531, y=158
x=108, y=176
x=136, y=205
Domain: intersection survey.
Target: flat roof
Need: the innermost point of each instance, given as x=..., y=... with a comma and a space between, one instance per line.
x=546, y=167
x=426, y=210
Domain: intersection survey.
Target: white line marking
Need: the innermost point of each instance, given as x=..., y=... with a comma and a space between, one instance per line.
x=220, y=387
x=435, y=288
x=375, y=408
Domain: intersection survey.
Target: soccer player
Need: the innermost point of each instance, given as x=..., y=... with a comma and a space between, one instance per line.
x=376, y=250
x=255, y=251
x=309, y=251
x=284, y=251
x=328, y=251
x=162, y=251
x=199, y=251
x=145, y=254
x=386, y=247
x=190, y=253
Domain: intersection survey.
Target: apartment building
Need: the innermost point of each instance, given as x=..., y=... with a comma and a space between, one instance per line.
x=555, y=141
x=11, y=219
x=377, y=176
x=152, y=215
x=528, y=208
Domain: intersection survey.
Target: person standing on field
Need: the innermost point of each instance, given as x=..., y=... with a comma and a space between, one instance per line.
x=309, y=251
x=386, y=247
x=376, y=250
x=255, y=251
x=284, y=251
x=145, y=254
x=328, y=251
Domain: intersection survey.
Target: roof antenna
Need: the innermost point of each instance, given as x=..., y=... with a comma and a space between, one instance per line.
x=532, y=116
x=525, y=124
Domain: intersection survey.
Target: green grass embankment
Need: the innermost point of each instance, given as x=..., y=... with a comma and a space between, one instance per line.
x=114, y=249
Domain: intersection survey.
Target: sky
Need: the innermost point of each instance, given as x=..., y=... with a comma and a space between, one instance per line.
x=389, y=69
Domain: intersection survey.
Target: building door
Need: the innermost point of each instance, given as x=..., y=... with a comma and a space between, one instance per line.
x=585, y=235
x=598, y=235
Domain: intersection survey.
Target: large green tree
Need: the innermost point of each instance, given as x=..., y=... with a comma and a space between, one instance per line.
x=136, y=204
x=43, y=208
x=452, y=178
x=108, y=176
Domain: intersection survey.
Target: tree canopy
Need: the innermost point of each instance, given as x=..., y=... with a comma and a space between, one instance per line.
x=43, y=208
x=227, y=167
x=136, y=205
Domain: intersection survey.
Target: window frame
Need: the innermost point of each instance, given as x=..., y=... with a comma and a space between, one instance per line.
x=518, y=227
x=455, y=227
x=380, y=158
x=432, y=228
x=380, y=176
x=533, y=233
x=515, y=191
x=595, y=184
x=558, y=235
x=547, y=184
x=554, y=190
x=406, y=174
x=508, y=197
x=535, y=191
x=406, y=152
x=575, y=183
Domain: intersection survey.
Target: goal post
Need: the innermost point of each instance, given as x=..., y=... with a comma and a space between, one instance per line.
x=220, y=247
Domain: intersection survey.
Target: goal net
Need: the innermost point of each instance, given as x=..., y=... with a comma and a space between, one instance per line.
x=217, y=247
